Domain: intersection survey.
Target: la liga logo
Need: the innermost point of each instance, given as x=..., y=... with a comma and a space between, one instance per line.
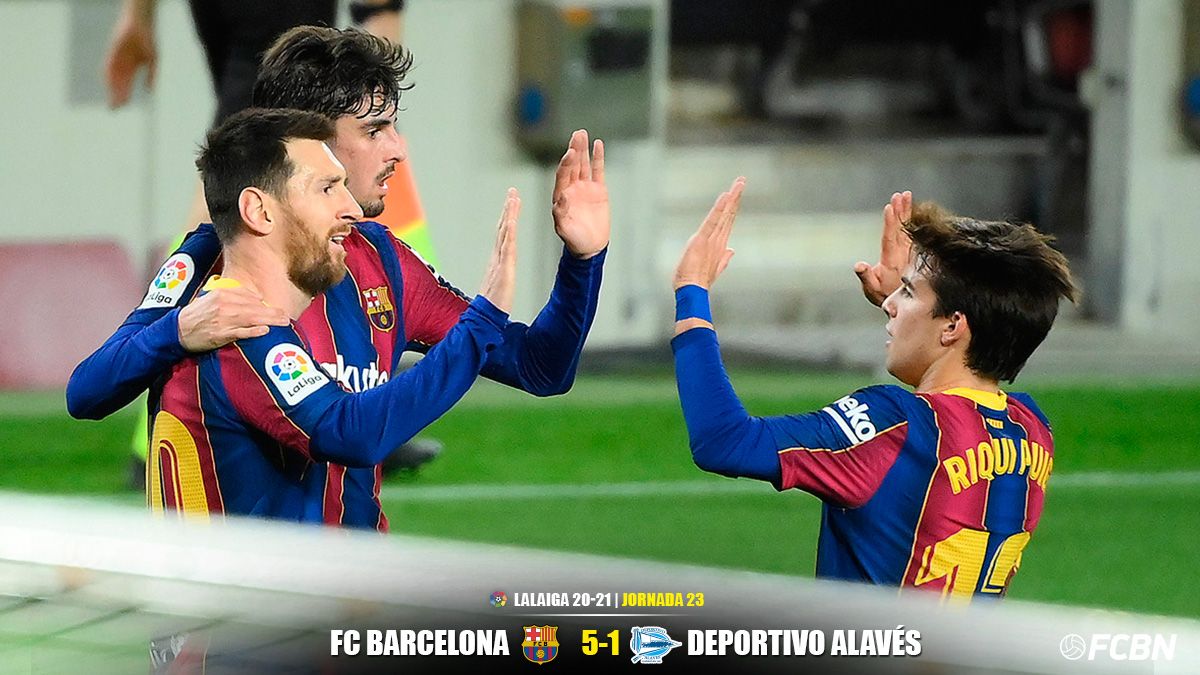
x=293, y=372
x=172, y=274
x=288, y=365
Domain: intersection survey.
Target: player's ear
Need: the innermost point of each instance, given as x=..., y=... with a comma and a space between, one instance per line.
x=255, y=208
x=955, y=329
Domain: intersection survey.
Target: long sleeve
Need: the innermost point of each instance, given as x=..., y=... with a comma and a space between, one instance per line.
x=146, y=344
x=277, y=387
x=724, y=438
x=124, y=366
x=540, y=358
x=840, y=453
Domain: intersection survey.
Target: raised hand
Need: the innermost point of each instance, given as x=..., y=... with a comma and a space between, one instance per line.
x=500, y=280
x=881, y=279
x=707, y=253
x=131, y=47
x=217, y=318
x=580, y=198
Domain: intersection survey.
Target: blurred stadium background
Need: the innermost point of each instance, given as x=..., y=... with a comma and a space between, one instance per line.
x=1080, y=116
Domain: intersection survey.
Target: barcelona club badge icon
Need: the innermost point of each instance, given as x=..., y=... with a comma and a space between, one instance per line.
x=541, y=643
x=379, y=308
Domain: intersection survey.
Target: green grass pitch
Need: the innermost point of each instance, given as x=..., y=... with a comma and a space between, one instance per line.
x=1127, y=547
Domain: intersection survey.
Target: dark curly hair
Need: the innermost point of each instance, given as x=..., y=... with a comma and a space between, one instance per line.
x=331, y=72
x=1004, y=277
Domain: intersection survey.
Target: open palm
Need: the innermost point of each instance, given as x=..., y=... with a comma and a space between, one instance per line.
x=581, y=209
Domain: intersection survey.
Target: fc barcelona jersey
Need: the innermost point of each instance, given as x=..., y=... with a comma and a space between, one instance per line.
x=390, y=301
x=931, y=491
x=356, y=333
x=256, y=427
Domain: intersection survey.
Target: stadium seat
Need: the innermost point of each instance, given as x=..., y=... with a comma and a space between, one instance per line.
x=58, y=302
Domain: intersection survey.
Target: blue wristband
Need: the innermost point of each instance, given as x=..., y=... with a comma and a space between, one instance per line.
x=691, y=302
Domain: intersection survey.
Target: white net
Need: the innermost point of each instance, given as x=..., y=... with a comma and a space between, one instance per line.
x=87, y=587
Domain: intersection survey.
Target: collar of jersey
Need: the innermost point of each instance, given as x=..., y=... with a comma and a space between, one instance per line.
x=218, y=281
x=987, y=399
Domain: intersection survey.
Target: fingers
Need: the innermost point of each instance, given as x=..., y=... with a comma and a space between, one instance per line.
x=735, y=203
x=725, y=258
x=867, y=275
x=118, y=85
x=252, y=332
x=891, y=223
x=895, y=244
x=218, y=318
x=563, y=175
x=503, y=290
x=598, y=161
x=244, y=309
x=512, y=207
x=267, y=315
x=724, y=226
x=897, y=212
x=151, y=71
x=709, y=225
x=506, y=237
x=872, y=284
x=719, y=221
x=579, y=141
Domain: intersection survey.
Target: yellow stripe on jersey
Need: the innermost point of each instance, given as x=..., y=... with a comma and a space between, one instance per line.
x=987, y=399
x=218, y=281
x=171, y=437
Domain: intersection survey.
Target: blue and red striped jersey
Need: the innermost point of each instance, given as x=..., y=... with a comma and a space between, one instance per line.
x=389, y=301
x=254, y=427
x=936, y=492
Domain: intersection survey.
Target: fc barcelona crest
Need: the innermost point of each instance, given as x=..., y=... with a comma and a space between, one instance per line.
x=379, y=308
x=541, y=643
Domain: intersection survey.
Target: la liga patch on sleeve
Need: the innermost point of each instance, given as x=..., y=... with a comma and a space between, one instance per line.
x=293, y=372
x=170, y=282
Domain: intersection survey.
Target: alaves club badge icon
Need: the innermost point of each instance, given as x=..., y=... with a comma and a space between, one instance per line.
x=541, y=643
x=650, y=644
x=379, y=308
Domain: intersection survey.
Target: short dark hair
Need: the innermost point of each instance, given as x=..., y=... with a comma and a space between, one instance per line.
x=1004, y=277
x=330, y=71
x=250, y=150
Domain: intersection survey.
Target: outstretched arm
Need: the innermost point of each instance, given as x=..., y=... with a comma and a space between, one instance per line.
x=830, y=453
x=275, y=388
x=165, y=328
x=302, y=409
x=540, y=358
x=724, y=438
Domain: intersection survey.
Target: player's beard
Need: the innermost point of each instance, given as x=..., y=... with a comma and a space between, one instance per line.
x=310, y=265
x=371, y=209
